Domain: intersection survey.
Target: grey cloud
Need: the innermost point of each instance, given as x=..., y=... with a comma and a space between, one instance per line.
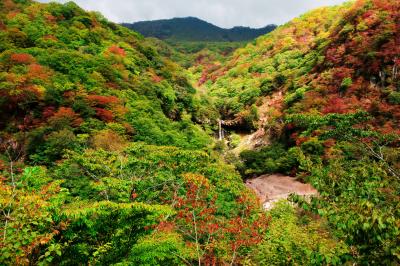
x=224, y=13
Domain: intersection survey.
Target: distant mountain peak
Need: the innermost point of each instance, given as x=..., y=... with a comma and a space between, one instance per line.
x=195, y=29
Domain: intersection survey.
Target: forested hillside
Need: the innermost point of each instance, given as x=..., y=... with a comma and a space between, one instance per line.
x=195, y=41
x=191, y=41
x=324, y=90
x=195, y=30
x=86, y=107
x=108, y=153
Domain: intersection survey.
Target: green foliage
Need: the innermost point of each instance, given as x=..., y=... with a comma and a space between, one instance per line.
x=54, y=146
x=294, y=239
x=295, y=96
x=336, y=126
x=274, y=61
x=106, y=156
x=394, y=97
x=346, y=83
x=357, y=182
x=272, y=159
x=104, y=232
x=80, y=55
x=29, y=205
x=75, y=89
x=161, y=248
x=235, y=140
x=313, y=147
x=351, y=194
x=153, y=127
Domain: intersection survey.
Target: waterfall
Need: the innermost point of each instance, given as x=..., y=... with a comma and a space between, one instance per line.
x=220, y=130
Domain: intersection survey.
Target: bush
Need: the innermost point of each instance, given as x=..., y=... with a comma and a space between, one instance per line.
x=235, y=140
x=161, y=248
x=108, y=140
x=65, y=117
x=298, y=240
x=271, y=159
x=295, y=96
x=54, y=146
x=249, y=96
x=346, y=83
x=313, y=147
x=394, y=97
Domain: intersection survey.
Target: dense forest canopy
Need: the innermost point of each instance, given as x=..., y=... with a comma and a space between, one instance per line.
x=194, y=41
x=324, y=89
x=108, y=153
x=194, y=29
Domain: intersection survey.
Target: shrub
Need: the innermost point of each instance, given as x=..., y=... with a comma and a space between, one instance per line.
x=65, y=117
x=295, y=96
x=99, y=100
x=108, y=140
x=394, y=97
x=116, y=50
x=313, y=147
x=161, y=248
x=22, y=58
x=298, y=240
x=271, y=159
x=346, y=83
x=54, y=146
x=235, y=140
x=104, y=115
x=249, y=95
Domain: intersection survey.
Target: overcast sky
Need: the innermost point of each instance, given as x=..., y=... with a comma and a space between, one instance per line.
x=223, y=13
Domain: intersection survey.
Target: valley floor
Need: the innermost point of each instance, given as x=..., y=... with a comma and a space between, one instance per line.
x=275, y=187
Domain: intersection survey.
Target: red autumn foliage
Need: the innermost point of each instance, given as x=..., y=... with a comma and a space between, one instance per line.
x=22, y=58
x=12, y=14
x=8, y=5
x=134, y=195
x=335, y=54
x=157, y=79
x=241, y=230
x=66, y=116
x=290, y=126
x=341, y=73
x=329, y=143
x=301, y=140
x=197, y=220
x=50, y=18
x=335, y=105
x=48, y=112
x=37, y=71
x=29, y=122
x=104, y=115
x=129, y=130
x=69, y=94
x=98, y=100
x=112, y=85
x=50, y=37
x=116, y=50
x=15, y=99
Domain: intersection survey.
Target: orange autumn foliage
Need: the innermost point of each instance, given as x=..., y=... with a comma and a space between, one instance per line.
x=116, y=50
x=65, y=116
x=98, y=100
x=22, y=58
x=105, y=115
x=109, y=140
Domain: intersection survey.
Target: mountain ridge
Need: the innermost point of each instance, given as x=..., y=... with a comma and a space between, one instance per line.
x=182, y=29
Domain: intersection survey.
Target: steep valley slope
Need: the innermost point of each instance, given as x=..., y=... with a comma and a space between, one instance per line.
x=108, y=153
x=336, y=124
